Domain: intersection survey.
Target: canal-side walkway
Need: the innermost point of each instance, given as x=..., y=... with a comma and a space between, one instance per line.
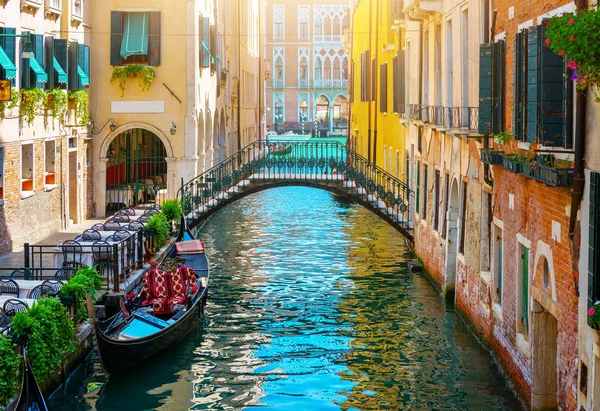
x=15, y=259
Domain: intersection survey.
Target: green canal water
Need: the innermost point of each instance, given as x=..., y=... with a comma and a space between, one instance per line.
x=311, y=307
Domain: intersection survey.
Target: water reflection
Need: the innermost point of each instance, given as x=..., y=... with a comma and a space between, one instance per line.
x=311, y=307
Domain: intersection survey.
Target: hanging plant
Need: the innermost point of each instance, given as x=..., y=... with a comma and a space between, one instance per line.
x=80, y=102
x=12, y=103
x=576, y=36
x=32, y=101
x=56, y=103
x=145, y=75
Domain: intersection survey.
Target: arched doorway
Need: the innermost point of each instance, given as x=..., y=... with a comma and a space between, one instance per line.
x=340, y=112
x=322, y=113
x=136, y=169
x=452, y=240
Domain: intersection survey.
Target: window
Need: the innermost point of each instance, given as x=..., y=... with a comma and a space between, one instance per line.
x=594, y=242
x=383, y=97
x=523, y=292
x=49, y=163
x=1, y=173
x=463, y=216
x=436, y=201
x=438, y=65
x=498, y=265
x=491, y=87
x=303, y=13
x=278, y=67
x=278, y=22
x=318, y=74
x=303, y=70
x=78, y=8
x=204, y=46
x=135, y=38
x=32, y=70
x=486, y=226
x=485, y=20
x=398, y=81
x=426, y=68
x=418, y=187
x=278, y=112
x=543, y=94
x=303, y=111
x=425, y=189
x=27, y=167
x=444, y=215
x=449, y=73
x=464, y=57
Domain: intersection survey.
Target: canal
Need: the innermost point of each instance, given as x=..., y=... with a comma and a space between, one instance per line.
x=311, y=307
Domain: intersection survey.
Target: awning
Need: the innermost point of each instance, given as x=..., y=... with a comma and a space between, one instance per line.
x=212, y=58
x=85, y=80
x=135, y=35
x=8, y=66
x=62, y=76
x=40, y=74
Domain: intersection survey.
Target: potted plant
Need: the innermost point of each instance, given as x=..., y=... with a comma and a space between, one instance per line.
x=556, y=173
x=56, y=103
x=79, y=102
x=512, y=162
x=594, y=316
x=32, y=100
x=144, y=73
x=529, y=166
x=491, y=156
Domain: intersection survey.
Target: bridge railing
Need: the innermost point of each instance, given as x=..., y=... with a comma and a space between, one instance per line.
x=299, y=161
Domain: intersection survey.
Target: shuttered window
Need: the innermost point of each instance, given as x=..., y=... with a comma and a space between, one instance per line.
x=50, y=62
x=398, y=81
x=131, y=42
x=373, y=89
x=9, y=46
x=213, y=48
x=531, y=83
x=61, y=58
x=594, y=240
x=491, y=87
x=383, y=87
x=205, y=41
x=73, y=64
x=520, y=89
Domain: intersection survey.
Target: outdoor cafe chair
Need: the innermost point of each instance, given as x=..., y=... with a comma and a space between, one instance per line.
x=65, y=273
x=127, y=210
x=143, y=219
x=136, y=226
x=4, y=323
x=121, y=218
x=102, y=253
x=39, y=291
x=150, y=212
x=91, y=235
x=21, y=274
x=54, y=285
x=13, y=306
x=122, y=234
x=9, y=287
x=72, y=253
x=113, y=239
x=98, y=226
x=111, y=225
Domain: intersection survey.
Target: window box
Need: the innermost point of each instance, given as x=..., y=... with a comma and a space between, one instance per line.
x=489, y=156
x=27, y=184
x=529, y=169
x=512, y=163
x=555, y=177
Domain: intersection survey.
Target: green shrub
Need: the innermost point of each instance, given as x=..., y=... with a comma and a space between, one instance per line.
x=85, y=281
x=171, y=209
x=50, y=333
x=10, y=365
x=162, y=229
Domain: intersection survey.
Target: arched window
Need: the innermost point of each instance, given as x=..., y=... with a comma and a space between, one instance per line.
x=278, y=74
x=278, y=112
x=345, y=68
x=318, y=69
x=327, y=69
x=304, y=69
x=336, y=69
x=303, y=111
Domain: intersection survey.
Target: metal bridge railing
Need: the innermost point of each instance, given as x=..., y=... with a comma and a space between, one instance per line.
x=329, y=164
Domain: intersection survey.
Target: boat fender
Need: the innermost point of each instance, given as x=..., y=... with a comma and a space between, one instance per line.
x=414, y=266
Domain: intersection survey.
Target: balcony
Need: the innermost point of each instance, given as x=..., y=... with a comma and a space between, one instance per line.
x=53, y=7
x=330, y=83
x=32, y=5
x=327, y=38
x=77, y=14
x=278, y=83
x=303, y=83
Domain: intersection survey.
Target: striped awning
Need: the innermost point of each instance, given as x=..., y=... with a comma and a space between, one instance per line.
x=40, y=75
x=62, y=76
x=9, y=68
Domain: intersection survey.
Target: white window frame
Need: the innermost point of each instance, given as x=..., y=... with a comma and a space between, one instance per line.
x=48, y=187
x=300, y=16
x=279, y=18
x=27, y=193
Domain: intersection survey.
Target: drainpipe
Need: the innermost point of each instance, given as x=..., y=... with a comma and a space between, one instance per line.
x=369, y=83
x=486, y=143
x=376, y=76
x=578, y=173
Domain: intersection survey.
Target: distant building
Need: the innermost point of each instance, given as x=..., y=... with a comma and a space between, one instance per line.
x=308, y=81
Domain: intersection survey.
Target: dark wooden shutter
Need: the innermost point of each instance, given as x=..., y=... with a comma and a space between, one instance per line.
x=213, y=48
x=373, y=79
x=38, y=47
x=25, y=69
x=383, y=88
x=400, y=74
x=206, y=40
x=73, y=61
x=518, y=87
x=80, y=63
x=86, y=60
x=532, y=84
x=61, y=52
x=50, y=62
x=116, y=38
x=498, y=64
x=10, y=48
x=154, y=38
x=485, y=88
x=552, y=94
x=593, y=294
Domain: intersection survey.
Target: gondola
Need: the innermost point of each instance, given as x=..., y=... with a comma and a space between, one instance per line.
x=281, y=151
x=135, y=333
x=31, y=397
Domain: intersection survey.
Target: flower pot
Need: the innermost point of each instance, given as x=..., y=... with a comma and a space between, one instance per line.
x=489, y=156
x=512, y=164
x=556, y=177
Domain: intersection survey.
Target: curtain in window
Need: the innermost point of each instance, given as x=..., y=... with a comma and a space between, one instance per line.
x=135, y=35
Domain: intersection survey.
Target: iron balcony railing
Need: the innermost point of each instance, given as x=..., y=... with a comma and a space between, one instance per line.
x=465, y=117
x=330, y=83
x=327, y=37
x=278, y=83
x=285, y=162
x=402, y=111
x=415, y=112
x=303, y=83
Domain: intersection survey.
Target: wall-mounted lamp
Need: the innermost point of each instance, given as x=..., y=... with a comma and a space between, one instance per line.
x=95, y=130
x=173, y=129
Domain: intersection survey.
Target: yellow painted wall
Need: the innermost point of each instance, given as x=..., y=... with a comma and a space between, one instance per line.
x=371, y=30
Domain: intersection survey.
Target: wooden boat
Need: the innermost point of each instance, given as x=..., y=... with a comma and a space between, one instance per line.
x=132, y=336
x=280, y=151
x=31, y=397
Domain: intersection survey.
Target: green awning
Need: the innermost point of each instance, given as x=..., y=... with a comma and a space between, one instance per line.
x=212, y=58
x=135, y=35
x=40, y=74
x=10, y=70
x=85, y=80
x=62, y=76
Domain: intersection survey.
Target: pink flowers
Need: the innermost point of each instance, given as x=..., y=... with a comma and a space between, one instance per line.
x=572, y=38
x=561, y=53
x=571, y=64
x=591, y=311
x=571, y=21
x=547, y=42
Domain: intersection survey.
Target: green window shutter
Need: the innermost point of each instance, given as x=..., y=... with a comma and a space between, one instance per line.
x=38, y=47
x=205, y=41
x=552, y=95
x=80, y=63
x=116, y=38
x=383, y=88
x=73, y=62
x=532, y=113
x=213, y=48
x=25, y=70
x=154, y=39
x=10, y=47
x=87, y=61
x=519, y=87
x=593, y=294
x=50, y=62
x=485, y=88
x=498, y=64
x=61, y=53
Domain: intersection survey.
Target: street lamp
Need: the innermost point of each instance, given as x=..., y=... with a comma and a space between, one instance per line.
x=27, y=49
